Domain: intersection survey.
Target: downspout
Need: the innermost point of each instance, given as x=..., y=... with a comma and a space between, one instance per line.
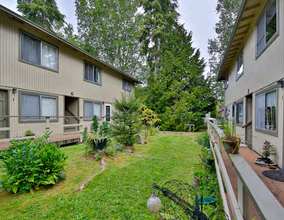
x=282, y=128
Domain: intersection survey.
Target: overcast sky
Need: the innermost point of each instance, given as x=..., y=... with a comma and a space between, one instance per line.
x=197, y=16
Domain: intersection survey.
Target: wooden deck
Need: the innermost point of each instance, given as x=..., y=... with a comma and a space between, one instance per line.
x=275, y=187
x=58, y=140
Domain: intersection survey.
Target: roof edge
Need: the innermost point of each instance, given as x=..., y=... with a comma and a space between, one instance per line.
x=242, y=8
x=21, y=18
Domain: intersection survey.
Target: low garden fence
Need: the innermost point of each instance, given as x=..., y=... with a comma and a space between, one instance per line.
x=249, y=184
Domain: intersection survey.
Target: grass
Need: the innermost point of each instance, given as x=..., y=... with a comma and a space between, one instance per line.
x=120, y=192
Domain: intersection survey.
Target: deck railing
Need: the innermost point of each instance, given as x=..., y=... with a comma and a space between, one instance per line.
x=249, y=184
x=42, y=123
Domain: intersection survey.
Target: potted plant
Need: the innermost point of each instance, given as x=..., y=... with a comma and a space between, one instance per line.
x=98, y=139
x=29, y=133
x=230, y=140
x=267, y=150
x=210, y=158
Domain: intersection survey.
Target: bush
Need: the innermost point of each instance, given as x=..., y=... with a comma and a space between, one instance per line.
x=125, y=122
x=105, y=129
x=30, y=164
x=204, y=139
x=95, y=125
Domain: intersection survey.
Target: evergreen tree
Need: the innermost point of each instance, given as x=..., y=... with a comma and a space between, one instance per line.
x=159, y=18
x=125, y=122
x=42, y=12
x=228, y=11
x=109, y=30
x=179, y=93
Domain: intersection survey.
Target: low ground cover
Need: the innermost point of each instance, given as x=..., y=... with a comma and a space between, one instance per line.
x=120, y=192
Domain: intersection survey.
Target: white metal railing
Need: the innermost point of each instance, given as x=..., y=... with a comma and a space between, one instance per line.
x=249, y=184
x=44, y=123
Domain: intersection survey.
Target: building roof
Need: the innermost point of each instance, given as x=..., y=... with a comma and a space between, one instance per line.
x=246, y=19
x=26, y=21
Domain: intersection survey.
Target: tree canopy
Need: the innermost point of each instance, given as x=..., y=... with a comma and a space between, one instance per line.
x=109, y=30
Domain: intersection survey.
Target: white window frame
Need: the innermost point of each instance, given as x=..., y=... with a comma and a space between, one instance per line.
x=93, y=103
x=238, y=113
x=105, y=117
x=262, y=18
x=266, y=128
x=40, y=117
x=41, y=53
x=126, y=85
x=240, y=64
x=98, y=71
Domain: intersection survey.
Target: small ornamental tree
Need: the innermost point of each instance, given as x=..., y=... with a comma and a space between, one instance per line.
x=30, y=164
x=267, y=149
x=148, y=118
x=125, y=122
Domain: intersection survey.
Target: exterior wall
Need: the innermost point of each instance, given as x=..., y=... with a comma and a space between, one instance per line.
x=260, y=72
x=68, y=81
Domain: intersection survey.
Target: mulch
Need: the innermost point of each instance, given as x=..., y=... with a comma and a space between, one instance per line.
x=275, y=175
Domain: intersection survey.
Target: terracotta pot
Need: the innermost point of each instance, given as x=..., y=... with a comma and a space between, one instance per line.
x=232, y=147
x=129, y=148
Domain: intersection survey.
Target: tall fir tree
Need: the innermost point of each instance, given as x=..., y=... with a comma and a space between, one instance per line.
x=109, y=30
x=179, y=93
x=160, y=16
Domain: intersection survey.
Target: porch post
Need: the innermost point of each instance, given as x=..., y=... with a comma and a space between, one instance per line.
x=243, y=200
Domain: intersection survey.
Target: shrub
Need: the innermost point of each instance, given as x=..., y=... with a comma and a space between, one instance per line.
x=30, y=164
x=105, y=129
x=85, y=134
x=29, y=133
x=125, y=122
x=95, y=125
x=204, y=139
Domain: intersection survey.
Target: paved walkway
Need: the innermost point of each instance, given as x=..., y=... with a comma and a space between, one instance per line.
x=276, y=187
x=57, y=139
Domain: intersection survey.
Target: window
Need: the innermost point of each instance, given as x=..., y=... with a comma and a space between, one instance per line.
x=267, y=26
x=239, y=113
x=38, y=52
x=240, y=64
x=92, y=73
x=91, y=109
x=108, y=112
x=233, y=111
x=35, y=107
x=126, y=85
x=266, y=110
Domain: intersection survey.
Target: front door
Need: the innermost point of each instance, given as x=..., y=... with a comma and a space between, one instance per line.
x=3, y=112
x=248, y=128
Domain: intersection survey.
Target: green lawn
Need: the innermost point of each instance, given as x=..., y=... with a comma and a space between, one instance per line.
x=120, y=192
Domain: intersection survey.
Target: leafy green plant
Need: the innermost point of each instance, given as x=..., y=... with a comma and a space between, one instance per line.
x=99, y=156
x=85, y=134
x=95, y=125
x=30, y=164
x=125, y=122
x=204, y=139
x=105, y=129
x=29, y=133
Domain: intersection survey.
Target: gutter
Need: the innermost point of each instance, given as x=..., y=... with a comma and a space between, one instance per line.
x=25, y=20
